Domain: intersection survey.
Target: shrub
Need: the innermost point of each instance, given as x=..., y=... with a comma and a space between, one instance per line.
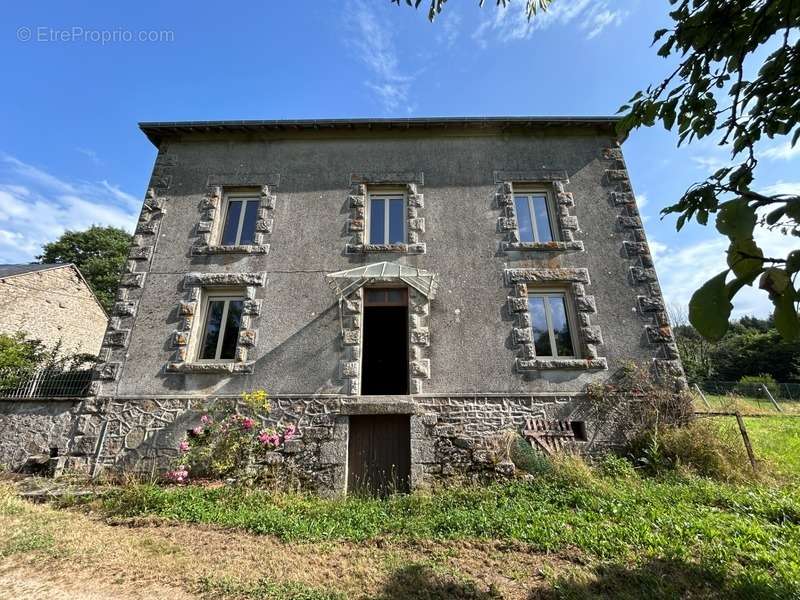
x=616, y=467
x=700, y=448
x=528, y=459
x=752, y=384
x=228, y=443
x=636, y=402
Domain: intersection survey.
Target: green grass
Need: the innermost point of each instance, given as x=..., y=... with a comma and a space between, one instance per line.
x=267, y=589
x=776, y=439
x=745, y=536
x=745, y=404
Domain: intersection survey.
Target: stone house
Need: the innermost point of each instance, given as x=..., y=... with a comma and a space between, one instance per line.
x=52, y=303
x=406, y=290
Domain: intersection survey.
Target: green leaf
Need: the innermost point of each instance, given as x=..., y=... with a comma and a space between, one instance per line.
x=710, y=308
x=775, y=281
x=745, y=268
x=793, y=261
x=776, y=215
x=736, y=219
x=793, y=210
x=786, y=321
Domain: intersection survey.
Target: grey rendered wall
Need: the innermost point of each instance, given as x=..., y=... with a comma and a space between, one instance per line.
x=298, y=348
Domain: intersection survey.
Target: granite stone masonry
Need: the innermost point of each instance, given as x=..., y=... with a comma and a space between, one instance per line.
x=422, y=352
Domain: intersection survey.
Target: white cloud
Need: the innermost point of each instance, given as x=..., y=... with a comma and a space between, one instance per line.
x=641, y=200
x=511, y=22
x=683, y=270
x=450, y=24
x=373, y=43
x=781, y=187
x=36, y=207
x=91, y=155
x=783, y=152
x=710, y=163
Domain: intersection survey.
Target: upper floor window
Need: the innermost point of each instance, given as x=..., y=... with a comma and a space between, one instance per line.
x=552, y=335
x=223, y=319
x=387, y=218
x=241, y=214
x=533, y=217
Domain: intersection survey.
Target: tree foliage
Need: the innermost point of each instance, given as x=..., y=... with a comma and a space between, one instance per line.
x=99, y=253
x=435, y=6
x=751, y=347
x=738, y=78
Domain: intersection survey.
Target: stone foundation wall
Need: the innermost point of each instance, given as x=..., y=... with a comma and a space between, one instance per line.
x=33, y=427
x=450, y=435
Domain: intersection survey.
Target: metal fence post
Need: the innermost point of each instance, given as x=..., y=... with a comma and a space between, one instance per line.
x=769, y=395
x=702, y=396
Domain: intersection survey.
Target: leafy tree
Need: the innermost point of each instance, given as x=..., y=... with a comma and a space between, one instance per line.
x=755, y=353
x=738, y=78
x=18, y=353
x=99, y=252
x=727, y=84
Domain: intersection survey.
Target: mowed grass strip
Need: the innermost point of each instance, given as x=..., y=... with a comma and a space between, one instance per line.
x=739, y=531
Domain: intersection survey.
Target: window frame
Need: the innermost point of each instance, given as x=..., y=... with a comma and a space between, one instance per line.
x=245, y=197
x=530, y=192
x=569, y=313
x=385, y=195
x=208, y=298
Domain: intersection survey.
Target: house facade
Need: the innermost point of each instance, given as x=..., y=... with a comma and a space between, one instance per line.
x=53, y=304
x=403, y=289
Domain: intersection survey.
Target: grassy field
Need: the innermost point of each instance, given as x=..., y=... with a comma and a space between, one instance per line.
x=571, y=532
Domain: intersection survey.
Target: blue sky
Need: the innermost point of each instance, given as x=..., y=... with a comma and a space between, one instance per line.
x=72, y=155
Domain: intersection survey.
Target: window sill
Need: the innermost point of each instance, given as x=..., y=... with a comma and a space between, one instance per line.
x=549, y=364
x=232, y=368
x=543, y=246
x=418, y=248
x=240, y=249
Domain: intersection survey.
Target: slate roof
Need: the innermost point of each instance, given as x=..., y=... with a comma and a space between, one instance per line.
x=11, y=270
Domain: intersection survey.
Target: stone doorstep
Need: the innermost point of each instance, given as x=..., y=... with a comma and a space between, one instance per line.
x=380, y=405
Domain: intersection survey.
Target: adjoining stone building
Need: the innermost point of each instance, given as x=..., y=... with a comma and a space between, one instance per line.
x=404, y=289
x=51, y=303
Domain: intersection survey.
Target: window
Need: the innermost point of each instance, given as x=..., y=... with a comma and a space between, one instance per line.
x=552, y=336
x=533, y=217
x=223, y=317
x=241, y=214
x=387, y=219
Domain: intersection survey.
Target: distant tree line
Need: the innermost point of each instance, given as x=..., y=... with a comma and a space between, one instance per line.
x=751, y=347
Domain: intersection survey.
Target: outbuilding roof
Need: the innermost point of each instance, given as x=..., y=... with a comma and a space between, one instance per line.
x=12, y=270
x=157, y=131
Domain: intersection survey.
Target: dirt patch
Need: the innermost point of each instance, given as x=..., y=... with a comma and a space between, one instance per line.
x=84, y=558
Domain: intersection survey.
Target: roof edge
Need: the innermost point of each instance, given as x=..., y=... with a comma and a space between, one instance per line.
x=158, y=130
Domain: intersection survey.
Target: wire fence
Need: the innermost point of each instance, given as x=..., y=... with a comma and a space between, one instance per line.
x=23, y=384
x=788, y=392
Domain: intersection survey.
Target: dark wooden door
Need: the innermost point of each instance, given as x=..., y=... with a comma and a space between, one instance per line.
x=379, y=460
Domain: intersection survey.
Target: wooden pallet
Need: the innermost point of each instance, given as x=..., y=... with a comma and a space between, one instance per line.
x=549, y=436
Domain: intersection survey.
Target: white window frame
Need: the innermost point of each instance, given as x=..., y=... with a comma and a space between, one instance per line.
x=547, y=293
x=548, y=202
x=245, y=198
x=207, y=300
x=386, y=195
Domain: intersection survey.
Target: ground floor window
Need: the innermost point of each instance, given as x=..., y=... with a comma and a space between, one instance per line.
x=223, y=318
x=550, y=322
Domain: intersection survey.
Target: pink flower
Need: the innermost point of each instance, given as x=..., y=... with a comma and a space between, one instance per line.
x=289, y=432
x=247, y=423
x=179, y=475
x=269, y=439
x=206, y=420
x=184, y=446
x=199, y=430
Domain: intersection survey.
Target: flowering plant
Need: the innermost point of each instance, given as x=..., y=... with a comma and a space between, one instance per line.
x=228, y=445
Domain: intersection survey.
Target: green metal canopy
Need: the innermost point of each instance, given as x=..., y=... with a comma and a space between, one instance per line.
x=346, y=282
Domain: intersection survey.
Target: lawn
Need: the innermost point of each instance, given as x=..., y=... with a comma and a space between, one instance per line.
x=571, y=532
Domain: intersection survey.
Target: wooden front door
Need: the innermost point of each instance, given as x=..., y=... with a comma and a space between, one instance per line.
x=379, y=460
